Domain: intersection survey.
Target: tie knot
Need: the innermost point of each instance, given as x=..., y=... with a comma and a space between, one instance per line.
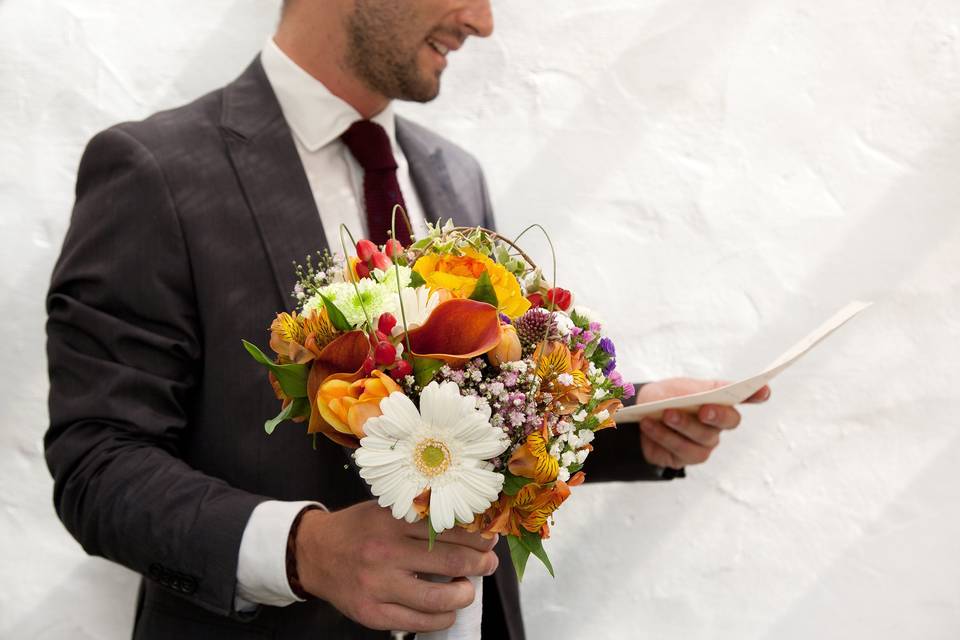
x=370, y=145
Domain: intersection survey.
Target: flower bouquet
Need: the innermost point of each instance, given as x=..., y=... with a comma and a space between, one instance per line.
x=469, y=387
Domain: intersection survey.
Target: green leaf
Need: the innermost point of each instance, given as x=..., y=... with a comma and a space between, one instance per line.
x=292, y=377
x=424, y=369
x=484, y=292
x=590, y=348
x=299, y=408
x=519, y=554
x=512, y=484
x=431, y=535
x=579, y=320
x=416, y=280
x=534, y=545
x=337, y=318
x=422, y=243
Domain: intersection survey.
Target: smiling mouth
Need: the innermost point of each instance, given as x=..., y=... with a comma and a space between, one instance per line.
x=439, y=48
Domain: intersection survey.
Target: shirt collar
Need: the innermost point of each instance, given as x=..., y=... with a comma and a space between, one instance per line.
x=314, y=114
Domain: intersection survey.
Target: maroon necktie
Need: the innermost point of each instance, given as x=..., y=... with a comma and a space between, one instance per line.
x=369, y=144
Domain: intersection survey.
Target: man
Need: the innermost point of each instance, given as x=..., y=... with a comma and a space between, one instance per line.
x=181, y=241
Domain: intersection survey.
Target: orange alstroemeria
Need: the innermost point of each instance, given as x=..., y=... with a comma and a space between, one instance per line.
x=530, y=509
x=554, y=364
x=532, y=460
x=457, y=331
x=300, y=338
x=611, y=406
x=346, y=406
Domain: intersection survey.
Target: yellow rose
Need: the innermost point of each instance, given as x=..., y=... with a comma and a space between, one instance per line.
x=459, y=275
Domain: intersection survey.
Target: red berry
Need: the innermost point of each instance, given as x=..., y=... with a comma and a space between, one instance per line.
x=403, y=368
x=386, y=323
x=536, y=300
x=393, y=248
x=385, y=353
x=560, y=297
x=380, y=261
x=362, y=270
x=368, y=365
x=365, y=250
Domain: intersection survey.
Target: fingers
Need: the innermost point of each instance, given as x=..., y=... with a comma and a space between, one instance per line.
x=655, y=454
x=396, y=616
x=684, y=449
x=431, y=597
x=445, y=559
x=695, y=430
x=760, y=396
x=457, y=536
x=713, y=415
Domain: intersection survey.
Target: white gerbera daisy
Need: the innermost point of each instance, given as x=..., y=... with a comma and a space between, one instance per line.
x=418, y=304
x=444, y=447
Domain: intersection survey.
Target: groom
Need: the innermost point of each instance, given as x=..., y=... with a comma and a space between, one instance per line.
x=183, y=233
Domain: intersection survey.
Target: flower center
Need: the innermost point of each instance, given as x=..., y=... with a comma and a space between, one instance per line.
x=432, y=457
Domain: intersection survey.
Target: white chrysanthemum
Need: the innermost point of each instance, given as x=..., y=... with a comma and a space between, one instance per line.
x=588, y=314
x=564, y=323
x=444, y=447
x=389, y=276
x=374, y=297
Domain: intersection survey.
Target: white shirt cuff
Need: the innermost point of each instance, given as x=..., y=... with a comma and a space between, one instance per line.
x=262, y=565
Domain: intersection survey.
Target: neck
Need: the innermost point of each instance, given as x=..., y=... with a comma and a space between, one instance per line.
x=318, y=46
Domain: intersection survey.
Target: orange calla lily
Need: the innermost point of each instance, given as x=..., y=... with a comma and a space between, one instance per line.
x=346, y=406
x=457, y=330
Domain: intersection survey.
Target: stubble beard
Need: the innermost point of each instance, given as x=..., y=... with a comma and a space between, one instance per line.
x=377, y=57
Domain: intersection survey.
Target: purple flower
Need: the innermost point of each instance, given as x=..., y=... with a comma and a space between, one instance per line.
x=628, y=390
x=607, y=345
x=609, y=367
x=504, y=319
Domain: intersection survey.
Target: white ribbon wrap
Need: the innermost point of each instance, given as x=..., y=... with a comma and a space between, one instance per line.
x=467, y=626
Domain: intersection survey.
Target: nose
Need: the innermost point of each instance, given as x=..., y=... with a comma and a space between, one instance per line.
x=477, y=18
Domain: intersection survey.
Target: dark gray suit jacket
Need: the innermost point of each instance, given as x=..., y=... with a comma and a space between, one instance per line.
x=181, y=243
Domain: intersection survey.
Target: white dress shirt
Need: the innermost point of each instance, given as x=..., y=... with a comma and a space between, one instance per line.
x=317, y=118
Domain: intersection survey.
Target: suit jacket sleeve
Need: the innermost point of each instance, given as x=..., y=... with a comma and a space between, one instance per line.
x=124, y=347
x=617, y=455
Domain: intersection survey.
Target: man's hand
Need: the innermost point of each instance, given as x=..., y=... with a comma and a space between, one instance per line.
x=365, y=563
x=679, y=438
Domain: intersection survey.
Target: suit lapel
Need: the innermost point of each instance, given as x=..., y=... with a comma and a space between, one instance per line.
x=271, y=175
x=429, y=174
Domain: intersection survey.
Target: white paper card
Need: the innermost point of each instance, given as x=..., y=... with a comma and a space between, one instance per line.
x=737, y=392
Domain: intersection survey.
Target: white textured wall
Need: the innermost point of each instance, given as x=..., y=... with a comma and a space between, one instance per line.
x=718, y=177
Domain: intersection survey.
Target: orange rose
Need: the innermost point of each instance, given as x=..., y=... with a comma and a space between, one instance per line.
x=346, y=406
